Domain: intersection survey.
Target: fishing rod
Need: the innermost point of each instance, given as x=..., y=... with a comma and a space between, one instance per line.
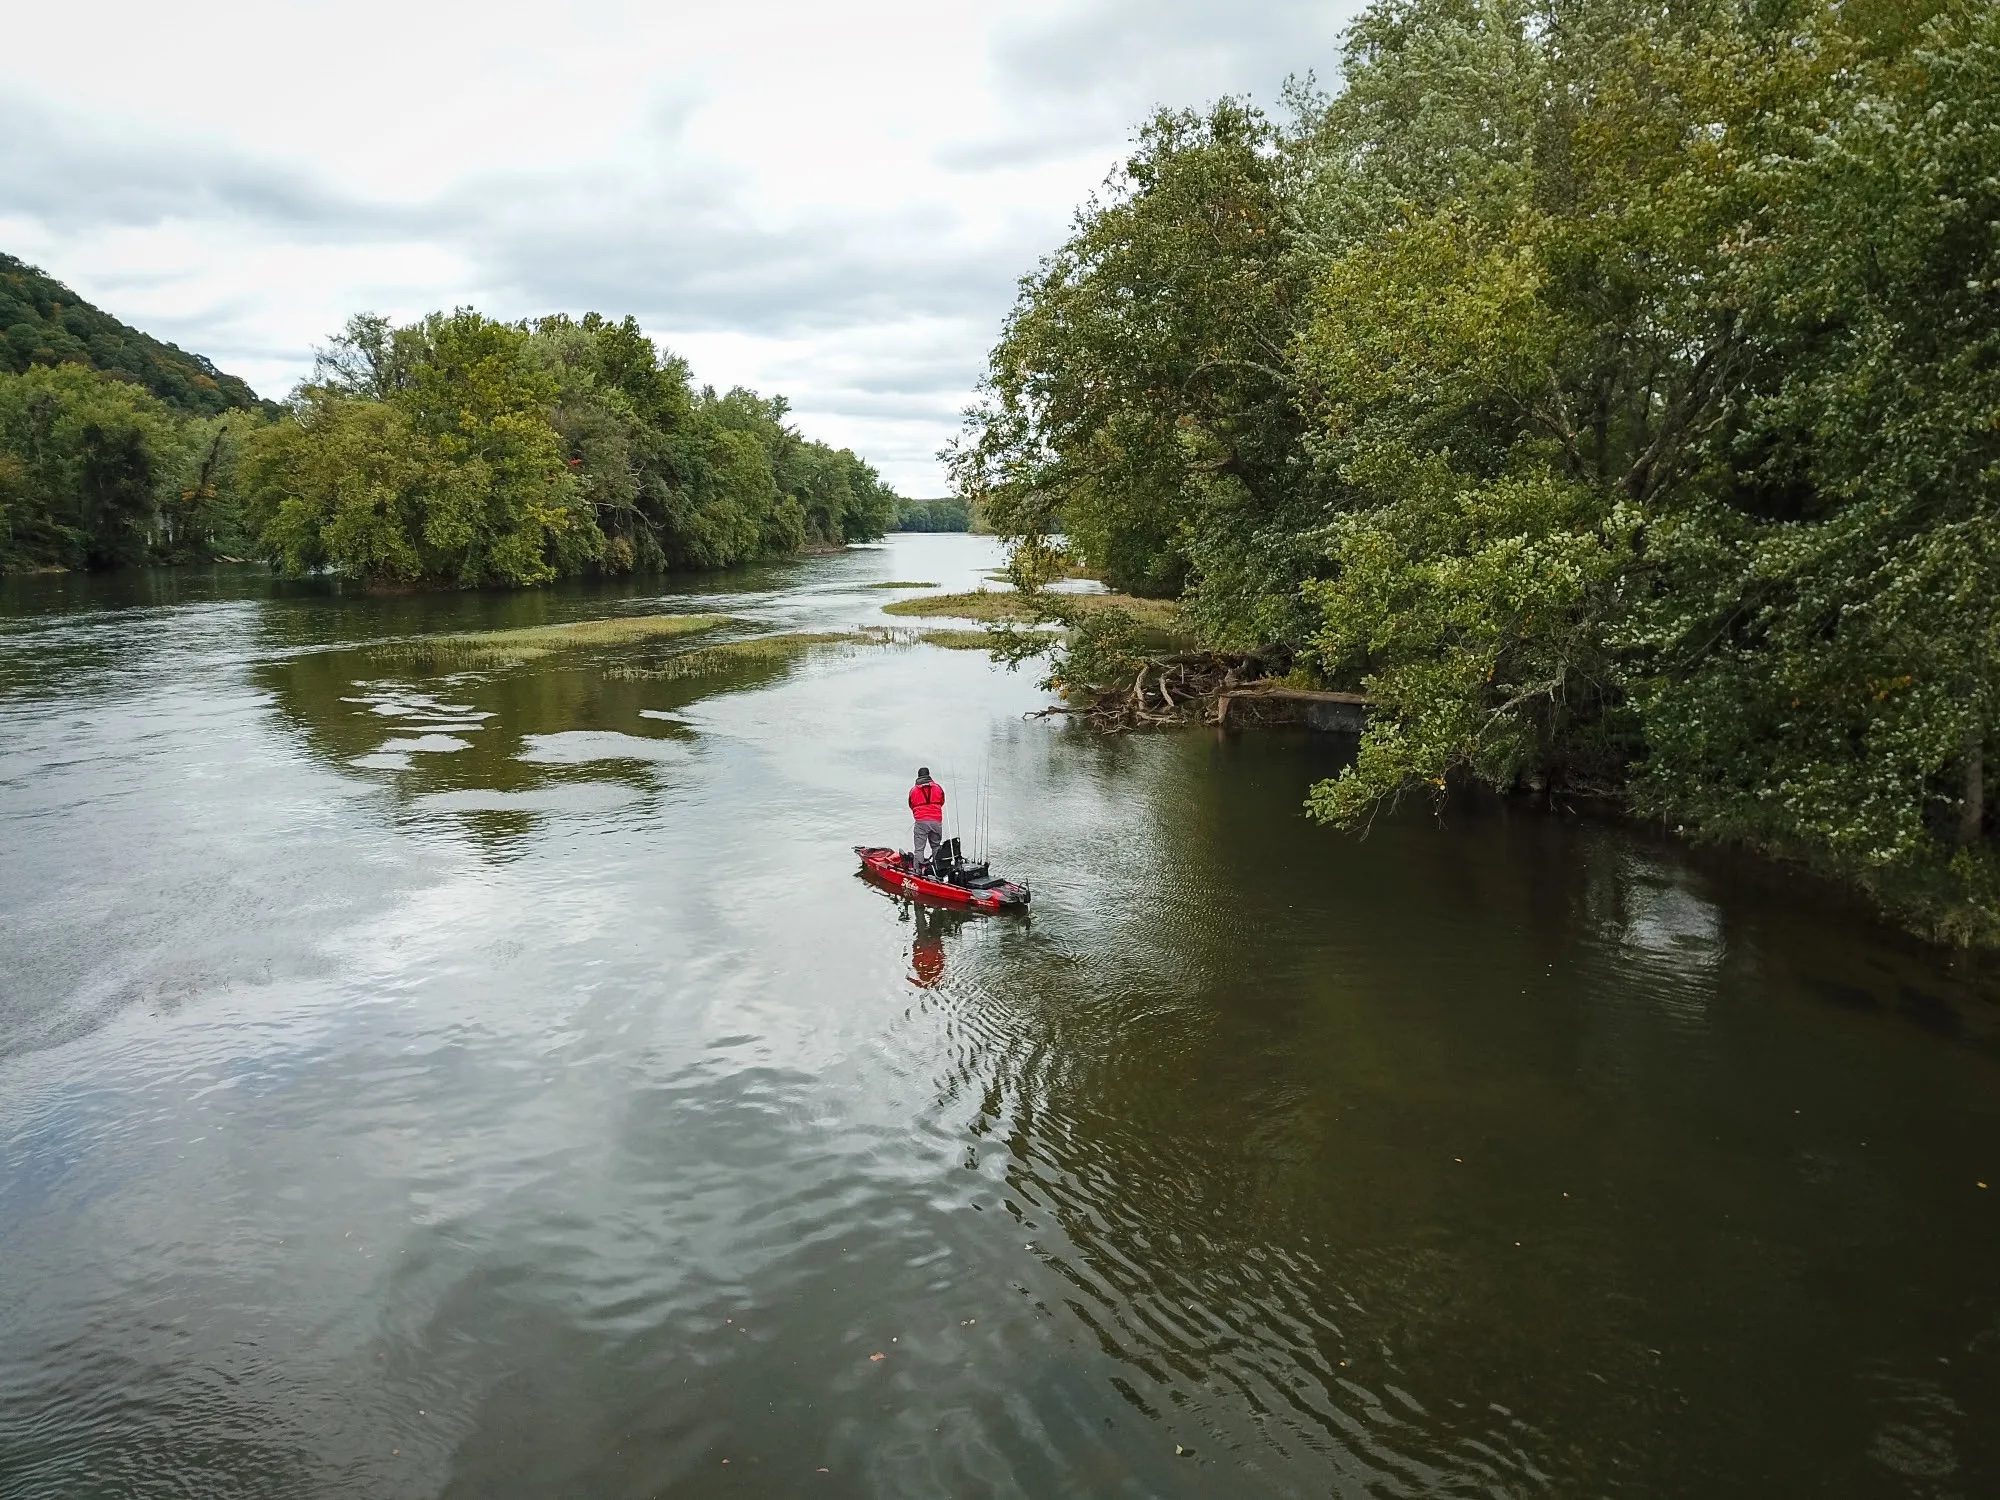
x=985, y=811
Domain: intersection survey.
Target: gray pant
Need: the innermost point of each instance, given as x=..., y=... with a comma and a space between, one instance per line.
x=931, y=834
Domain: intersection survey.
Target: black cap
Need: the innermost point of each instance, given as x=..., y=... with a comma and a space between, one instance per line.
x=923, y=773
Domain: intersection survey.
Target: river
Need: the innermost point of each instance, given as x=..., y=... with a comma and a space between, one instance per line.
x=500, y=1084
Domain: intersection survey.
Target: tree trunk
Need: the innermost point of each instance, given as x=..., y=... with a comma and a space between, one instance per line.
x=1972, y=811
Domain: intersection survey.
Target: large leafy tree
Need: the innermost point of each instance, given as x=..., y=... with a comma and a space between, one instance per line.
x=460, y=450
x=1138, y=401
x=424, y=456
x=1515, y=371
x=1735, y=338
x=1610, y=392
x=86, y=459
x=1823, y=630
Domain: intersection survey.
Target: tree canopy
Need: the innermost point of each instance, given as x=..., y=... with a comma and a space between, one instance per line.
x=949, y=513
x=1607, y=387
x=454, y=451
x=461, y=450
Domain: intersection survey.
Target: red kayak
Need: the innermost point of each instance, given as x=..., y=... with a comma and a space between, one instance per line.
x=950, y=881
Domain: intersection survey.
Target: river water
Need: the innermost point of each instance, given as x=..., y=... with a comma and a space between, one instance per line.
x=499, y=1084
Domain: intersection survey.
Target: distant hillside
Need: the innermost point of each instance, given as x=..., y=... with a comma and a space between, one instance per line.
x=43, y=322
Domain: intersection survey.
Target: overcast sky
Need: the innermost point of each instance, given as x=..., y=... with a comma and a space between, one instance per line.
x=829, y=200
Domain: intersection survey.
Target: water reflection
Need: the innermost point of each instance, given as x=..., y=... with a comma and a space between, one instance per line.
x=502, y=746
x=932, y=928
x=1516, y=1155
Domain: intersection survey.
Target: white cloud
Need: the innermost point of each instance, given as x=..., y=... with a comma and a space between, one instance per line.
x=829, y=201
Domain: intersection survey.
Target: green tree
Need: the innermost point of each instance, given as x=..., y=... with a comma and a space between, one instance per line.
x=1138, y=402
x=681, y=478
x=86, y=458
x=1827, y=612
x=1610, y=392
x=453, y=475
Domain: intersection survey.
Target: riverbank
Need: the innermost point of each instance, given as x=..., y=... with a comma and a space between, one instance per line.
x=1124, y=663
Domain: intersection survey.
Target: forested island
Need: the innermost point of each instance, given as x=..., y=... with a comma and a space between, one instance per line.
x=455, y=451
x=1609, y=391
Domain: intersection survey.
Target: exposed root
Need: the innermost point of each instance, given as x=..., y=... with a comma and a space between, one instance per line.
x=1177, y=688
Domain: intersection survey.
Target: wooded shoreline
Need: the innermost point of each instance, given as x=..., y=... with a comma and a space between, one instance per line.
x=1604, y=391
x=455, y=451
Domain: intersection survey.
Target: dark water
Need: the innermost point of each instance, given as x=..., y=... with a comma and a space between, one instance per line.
x=501, y=1086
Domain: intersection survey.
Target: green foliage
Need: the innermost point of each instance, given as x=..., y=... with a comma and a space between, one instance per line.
x=1136, y=401
x=42, y=323
x=1820, y=647
x=462, y=451
x=1610, y=392
x=455, y=451
x=85, y=461
x=947, y=514
x=1475, y=612
x=531, y=642
x=455, y=477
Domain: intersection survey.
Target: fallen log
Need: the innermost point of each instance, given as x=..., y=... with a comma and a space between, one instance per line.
x=1196, y=687
x=1330, y=710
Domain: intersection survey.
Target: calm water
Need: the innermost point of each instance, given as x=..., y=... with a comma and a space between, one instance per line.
x=500, y=1085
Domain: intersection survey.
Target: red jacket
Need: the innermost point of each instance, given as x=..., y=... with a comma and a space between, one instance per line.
x=927, y=802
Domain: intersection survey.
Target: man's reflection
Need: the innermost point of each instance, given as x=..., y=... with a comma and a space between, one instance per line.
x=927, y=946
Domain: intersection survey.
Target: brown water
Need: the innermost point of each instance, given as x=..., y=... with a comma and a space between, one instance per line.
x=501, y=1085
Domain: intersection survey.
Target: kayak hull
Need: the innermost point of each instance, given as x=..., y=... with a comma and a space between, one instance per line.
x=890, y=869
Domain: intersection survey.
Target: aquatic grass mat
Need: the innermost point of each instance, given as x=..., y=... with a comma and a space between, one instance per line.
x=983, y=604
x=758, y=651
x=530, y=642
x=1067, y=570
x=780, y=650
x=994, y=606
x=977, y=640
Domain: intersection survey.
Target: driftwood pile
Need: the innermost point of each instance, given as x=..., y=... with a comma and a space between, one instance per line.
x=1180, y=688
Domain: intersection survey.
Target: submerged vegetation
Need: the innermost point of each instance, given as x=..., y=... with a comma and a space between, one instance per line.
x=986, y=640
x=530, y=642
x=776, y=650
x=981, y=604
x=1606, y=389
x=734, y=656
x=453, y=452
x=994, y=605
x=488, y=649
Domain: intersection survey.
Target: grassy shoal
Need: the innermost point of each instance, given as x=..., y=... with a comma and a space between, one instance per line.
x=777, y=650
x=491, y=647
x=993, y=606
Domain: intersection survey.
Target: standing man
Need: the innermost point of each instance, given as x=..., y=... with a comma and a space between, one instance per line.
x=927, y=807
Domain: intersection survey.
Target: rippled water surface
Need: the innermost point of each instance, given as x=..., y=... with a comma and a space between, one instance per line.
x=497, y=1083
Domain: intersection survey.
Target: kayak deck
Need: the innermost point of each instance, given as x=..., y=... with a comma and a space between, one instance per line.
x=891, y=868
